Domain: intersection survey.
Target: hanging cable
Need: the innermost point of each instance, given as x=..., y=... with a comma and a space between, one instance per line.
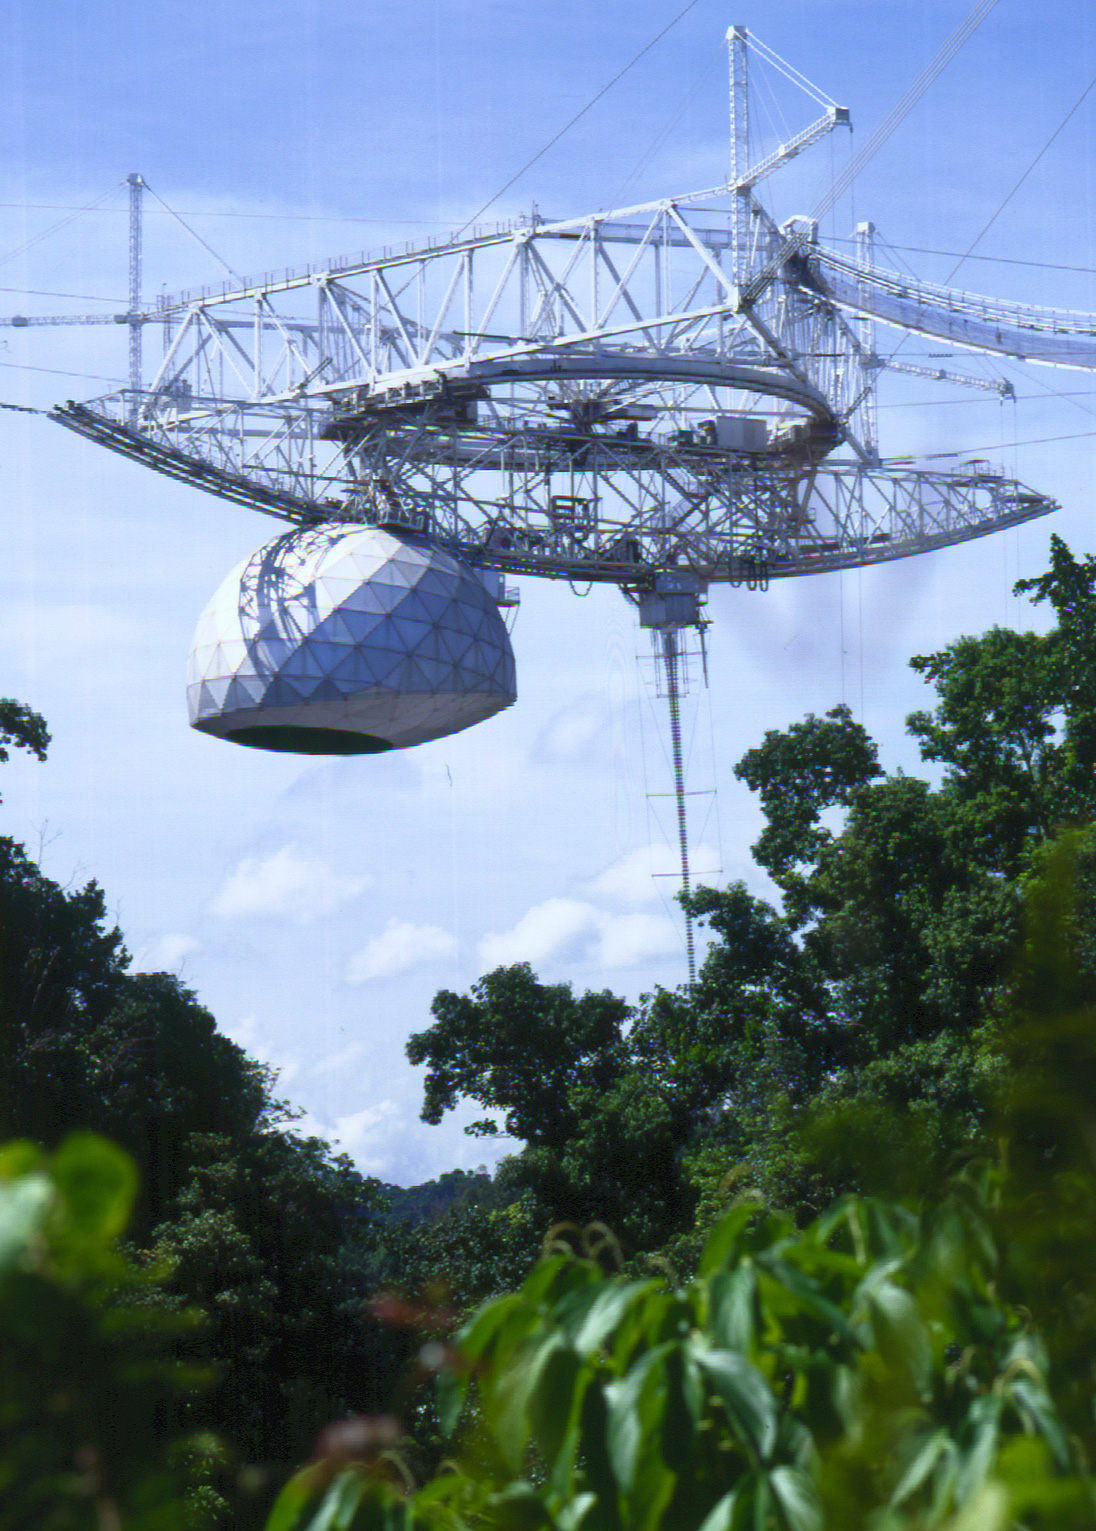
x=905, y=105
x=649, y=154
x=566, y=128
x=993, y=219
x=195, y=235
x=998, y=260
x=94, y=377
x=55, y=227
x=988, y=225
x=42, y=292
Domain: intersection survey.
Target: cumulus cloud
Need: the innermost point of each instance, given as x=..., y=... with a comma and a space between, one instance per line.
x=165, y=954
x=646, y=874
x=399, y=947
x=285, y=885
x=626, y=940
x=246, y=1033
x=354, y=1133
x=546, y=931
x=568, y=927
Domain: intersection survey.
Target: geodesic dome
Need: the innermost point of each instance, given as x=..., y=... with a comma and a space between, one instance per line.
x=348, y=640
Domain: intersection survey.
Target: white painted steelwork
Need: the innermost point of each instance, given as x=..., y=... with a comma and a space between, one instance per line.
x=550, y=397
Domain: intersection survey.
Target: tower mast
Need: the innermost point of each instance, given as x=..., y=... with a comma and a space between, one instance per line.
x=740, y=150
x=671, y=667
x=136, y=187
x=673, y=603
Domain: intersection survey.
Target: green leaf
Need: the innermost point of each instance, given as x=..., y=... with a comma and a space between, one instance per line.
x=725, y=1514
x=733, y=1296
x=808, y=1295
x=605, y=1313
x=723, y=1238
x=446, y=1486
x=987, y=1511
x=285, y=1516
x=745, y=1395
x=900, y=1334
x=797, y=1498
x=1040, y=1417
x=574, y=1512
x=518, y=1508
x=474, y=1337
x=684, y=1406
x=450, y=1391
x=23, y=1207
x=338, y=1509
x=19, y=1157
x=939, y=1444
x=98, y=1183
x=636, y=1405
x=553, y=1399
x=597, y=1467
x=984, y=1419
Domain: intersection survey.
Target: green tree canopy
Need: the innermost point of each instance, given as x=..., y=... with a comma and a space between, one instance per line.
x=520, y=1048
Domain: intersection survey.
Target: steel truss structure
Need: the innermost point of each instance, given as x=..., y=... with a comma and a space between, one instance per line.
x=681, y=384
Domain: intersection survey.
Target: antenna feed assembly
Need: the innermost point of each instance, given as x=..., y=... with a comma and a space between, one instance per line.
x=675, y=600
x=680, y=385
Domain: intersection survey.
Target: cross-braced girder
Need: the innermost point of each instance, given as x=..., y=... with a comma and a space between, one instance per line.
x=677, y=382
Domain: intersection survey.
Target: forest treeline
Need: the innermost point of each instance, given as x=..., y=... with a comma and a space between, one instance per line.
x=877, y=1035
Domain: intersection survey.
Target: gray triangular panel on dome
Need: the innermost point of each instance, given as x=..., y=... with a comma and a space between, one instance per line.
x=348, y=627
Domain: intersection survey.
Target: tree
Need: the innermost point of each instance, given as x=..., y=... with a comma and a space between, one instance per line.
x=600, y=1140
x=814, y=765
x=520, y=1048
x=270, y=1237
x=23, y=729
x=91, y=1393
x=925, y=1365
x=899, y=921
x=269, y=1234
x=84, y=1042
x=864, y=1371
x=869, y=984
x=60, y=969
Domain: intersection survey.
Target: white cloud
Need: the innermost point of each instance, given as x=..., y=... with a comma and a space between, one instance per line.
x=165, y=954
x=576, y=733
x=562, y=927
x=335, y=1062
x=354, y=1131
x=650, y=872
x=400, y=946
x=626, y=940
x=544, y=932
x=285, y=885
x=245, y=1032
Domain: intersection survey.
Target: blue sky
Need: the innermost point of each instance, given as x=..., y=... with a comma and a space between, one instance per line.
x=317, y=906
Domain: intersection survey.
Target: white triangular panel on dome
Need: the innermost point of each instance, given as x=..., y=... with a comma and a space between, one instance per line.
x=344, y=639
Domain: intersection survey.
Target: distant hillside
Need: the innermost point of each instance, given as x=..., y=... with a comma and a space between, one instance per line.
x=456, y=1190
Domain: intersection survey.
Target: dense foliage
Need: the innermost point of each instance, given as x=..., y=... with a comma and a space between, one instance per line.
x=840, y=1192
x=260, y=1229
x=91, y=1394
x=867, y=991
x=892, y=1366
